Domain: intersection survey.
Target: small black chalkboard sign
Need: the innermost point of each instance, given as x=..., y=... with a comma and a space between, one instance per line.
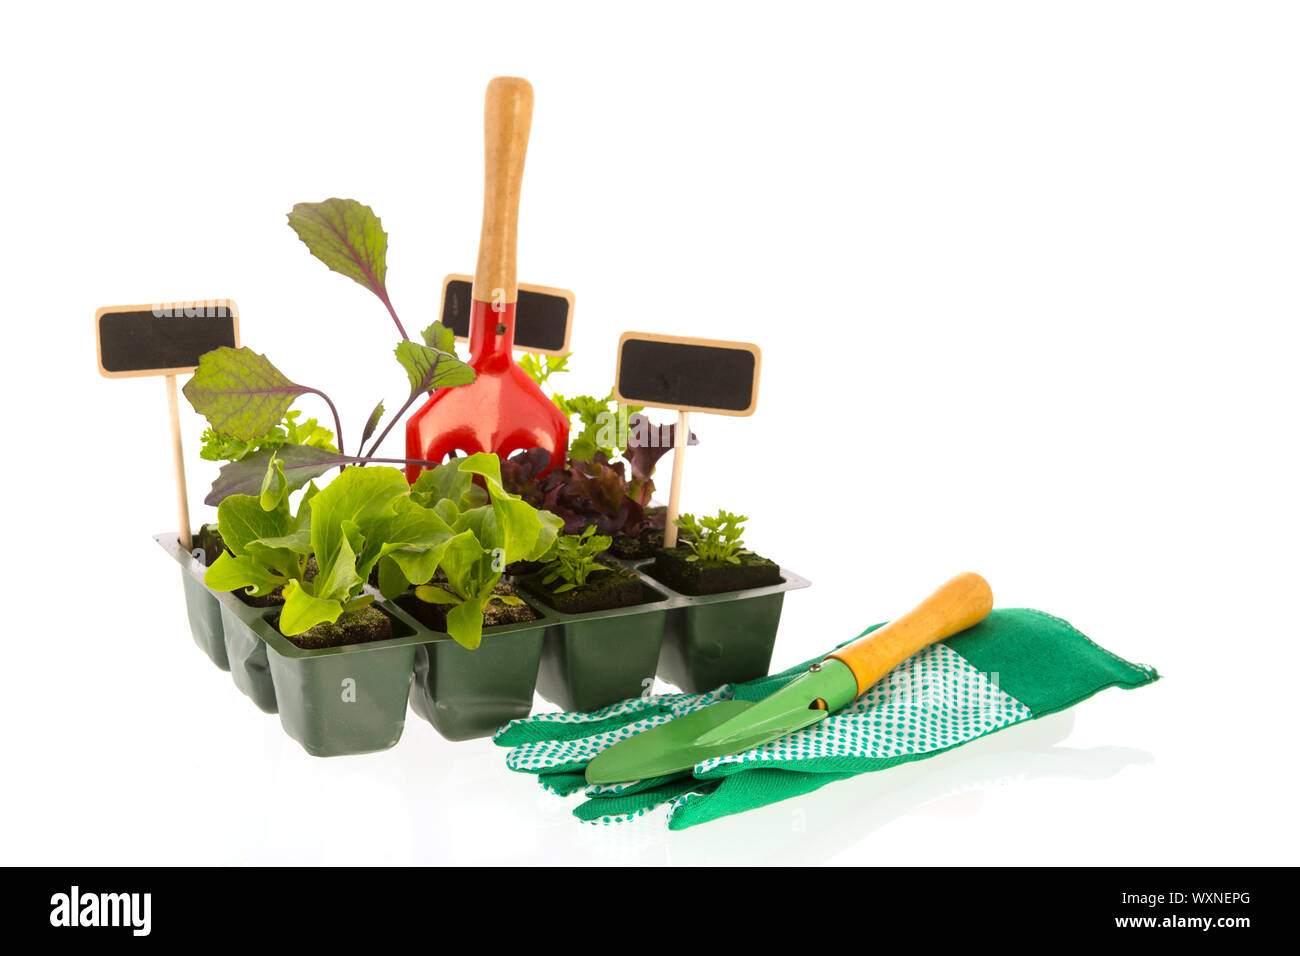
x=165, y=339
x=694, y=375
x=543, y=315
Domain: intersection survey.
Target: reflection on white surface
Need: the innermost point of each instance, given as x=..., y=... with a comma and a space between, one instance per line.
x=812, y=828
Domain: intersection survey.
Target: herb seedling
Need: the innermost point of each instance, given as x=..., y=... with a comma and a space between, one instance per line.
x=714, y=539
x=221, y=447
x=574, y=559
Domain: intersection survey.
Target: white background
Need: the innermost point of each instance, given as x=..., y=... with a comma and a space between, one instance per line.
x=1024, y=274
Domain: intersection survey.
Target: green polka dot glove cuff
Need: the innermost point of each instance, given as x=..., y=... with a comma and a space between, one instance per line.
x=1016, y=665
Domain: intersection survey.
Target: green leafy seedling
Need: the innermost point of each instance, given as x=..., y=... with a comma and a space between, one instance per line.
x=217, y=446
x=574, y=558
x=363, y=515
x=488, y=530
x=714, y=538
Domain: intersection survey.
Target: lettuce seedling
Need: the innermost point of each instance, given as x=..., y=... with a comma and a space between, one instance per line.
x=488, y=529
x=714, y=539
x=364, y=515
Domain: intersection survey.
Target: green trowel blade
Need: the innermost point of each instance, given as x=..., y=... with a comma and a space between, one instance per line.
x=728, y=727
x=664, y=749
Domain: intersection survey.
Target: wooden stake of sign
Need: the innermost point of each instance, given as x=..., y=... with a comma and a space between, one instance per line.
x=167, y=340
x=689, y=375
x=680, y=438
x=178, y=464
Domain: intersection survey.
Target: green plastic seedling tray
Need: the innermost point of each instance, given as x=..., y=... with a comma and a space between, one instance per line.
x=467, y=694
x=250, y=667
x=596, y=658
x=715, y=639
x=204, y=612
x=333, y=700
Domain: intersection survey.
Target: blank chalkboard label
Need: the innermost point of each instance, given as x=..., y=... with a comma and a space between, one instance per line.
x=165, y=339
x=543, y=315
x=694, y=375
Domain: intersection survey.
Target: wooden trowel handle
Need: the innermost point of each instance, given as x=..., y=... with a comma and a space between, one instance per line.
x=961, y=603
x=507, y=117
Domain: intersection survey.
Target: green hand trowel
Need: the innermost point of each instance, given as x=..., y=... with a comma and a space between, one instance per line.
x=733, y=726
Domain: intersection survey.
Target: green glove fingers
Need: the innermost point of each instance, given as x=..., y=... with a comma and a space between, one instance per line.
x=632, y=803
x=572, y=754
x=558, y=743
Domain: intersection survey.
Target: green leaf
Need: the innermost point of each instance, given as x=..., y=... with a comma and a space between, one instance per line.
x=218, y=447
x=465, y=623
x=438, y=336
x=310, y=432
x=242, y=520
x=447, y=482
x=541, y=368
x=337, y=579
x=274, y=486
x=482, y=463
x=508, y=599
x=357, y=603
x=348, y=237
x=303, y=611
x=359, y=496
x=413, y=537
x=519, y=528
x=432, y=594
x=372, y=423
x=466, y=564
x=583, y=448
x=240, y=392
x=392, y=581
x=231, y=572
x=429, y=368
x=301, y=464
x=298, y=540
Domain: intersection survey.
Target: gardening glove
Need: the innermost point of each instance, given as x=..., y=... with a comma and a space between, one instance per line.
x=1016, y=665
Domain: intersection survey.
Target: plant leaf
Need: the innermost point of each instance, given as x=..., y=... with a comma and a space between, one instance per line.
x=303, y=611
x=648, y=442
x=242, y=520
x=302, y=463
x=432, y=594
x=240, y=392
x=372, y=423
x=356, y=498
x=338, y=577
x=413, y=537
x=447, y=482
x=230, y=573
x=438, y=336
x=392, y=581
x=348, y=237
x=430, y=368
x=274, y=485
x=357, y=603
x=465, y=622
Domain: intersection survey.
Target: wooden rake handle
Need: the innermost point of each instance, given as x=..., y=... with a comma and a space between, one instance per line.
x=962, y=602
x=507, y=118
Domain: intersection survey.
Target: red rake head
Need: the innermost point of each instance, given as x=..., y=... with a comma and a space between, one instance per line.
x=502, y=411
